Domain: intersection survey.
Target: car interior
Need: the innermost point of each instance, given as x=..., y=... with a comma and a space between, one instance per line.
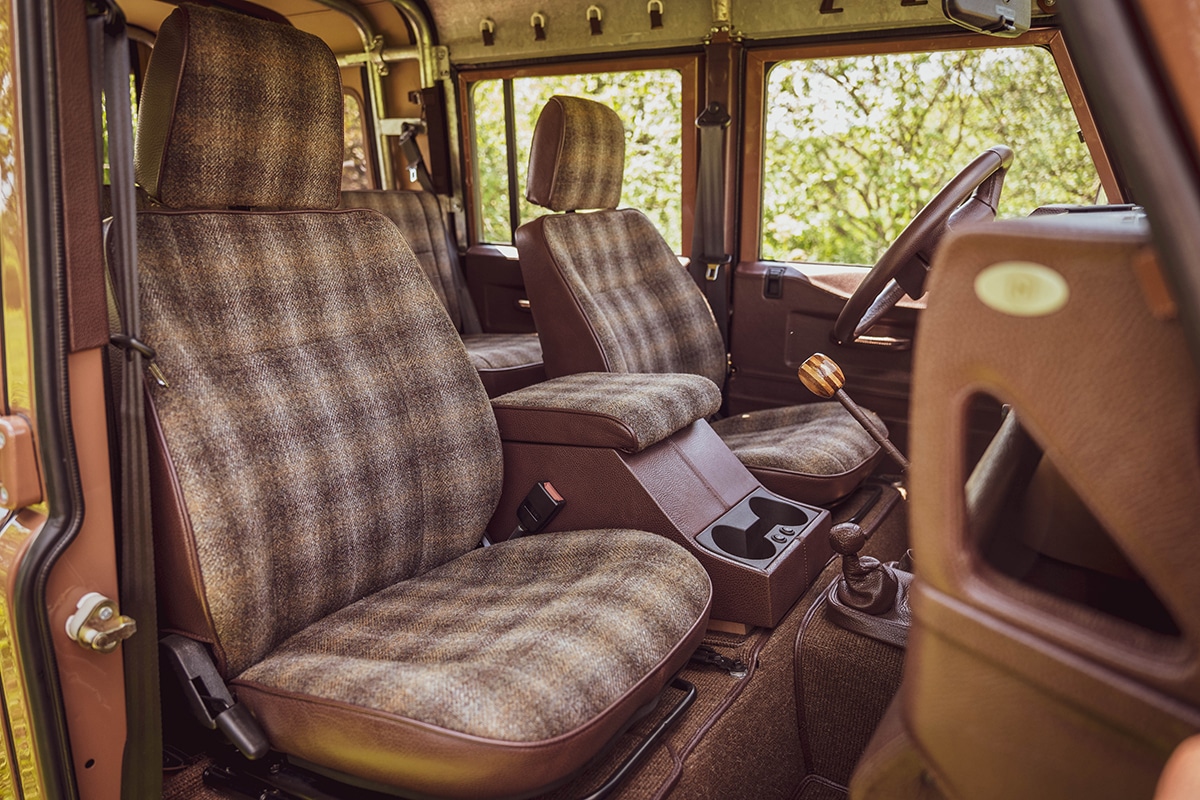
x=475, y=418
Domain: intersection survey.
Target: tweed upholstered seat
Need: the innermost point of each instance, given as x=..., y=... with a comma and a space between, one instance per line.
x=505, y=361
x=325, y=461
x=608, y=295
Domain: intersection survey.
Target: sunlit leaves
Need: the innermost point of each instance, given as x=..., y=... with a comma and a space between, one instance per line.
x=856, y=146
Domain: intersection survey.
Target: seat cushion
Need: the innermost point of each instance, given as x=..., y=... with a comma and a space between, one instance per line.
x=814, y=453
x=494, y=674
x=506, y=362
x=503, y=350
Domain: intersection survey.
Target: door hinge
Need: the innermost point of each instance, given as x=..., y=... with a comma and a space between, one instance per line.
x=20, y=484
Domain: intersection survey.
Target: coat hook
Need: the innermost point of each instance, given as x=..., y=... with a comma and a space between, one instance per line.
x=488, y=29
x=538, y=23
x=655, y=7
x=593, y=15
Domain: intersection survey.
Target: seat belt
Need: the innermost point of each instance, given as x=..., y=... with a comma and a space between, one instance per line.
x=709, y=265
x=418, y=173
x=141, y=770
x=414, y=162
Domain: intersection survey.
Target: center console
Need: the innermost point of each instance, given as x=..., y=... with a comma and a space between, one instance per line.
x=634, y=451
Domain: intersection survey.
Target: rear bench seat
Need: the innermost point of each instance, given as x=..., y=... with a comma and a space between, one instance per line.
x=505, y=361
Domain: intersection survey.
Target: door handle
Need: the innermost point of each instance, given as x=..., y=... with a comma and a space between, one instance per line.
x=879, y=342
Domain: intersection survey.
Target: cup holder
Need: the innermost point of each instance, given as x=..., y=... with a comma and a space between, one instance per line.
x=757, y=529
x=751, y=544
x=772, y=512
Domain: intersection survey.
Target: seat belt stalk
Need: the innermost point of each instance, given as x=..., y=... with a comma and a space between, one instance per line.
x=540, y=506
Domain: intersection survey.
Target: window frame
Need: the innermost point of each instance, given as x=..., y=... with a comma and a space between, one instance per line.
x=760, y=60
x=690, y=69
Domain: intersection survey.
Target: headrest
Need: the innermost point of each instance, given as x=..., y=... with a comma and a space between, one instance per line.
x=238, y=111
x=577, y=159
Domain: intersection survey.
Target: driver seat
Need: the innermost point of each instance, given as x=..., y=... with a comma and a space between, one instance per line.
x=608, y=295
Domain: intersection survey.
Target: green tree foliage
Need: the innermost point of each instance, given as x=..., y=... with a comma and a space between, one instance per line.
x=650, y=105
x=855, y=147
x=355, y=170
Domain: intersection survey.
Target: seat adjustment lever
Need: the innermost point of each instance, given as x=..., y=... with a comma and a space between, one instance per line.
x=209, y=697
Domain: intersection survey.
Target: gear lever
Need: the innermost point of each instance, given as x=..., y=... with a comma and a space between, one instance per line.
x=821, y=375
x=867, y=585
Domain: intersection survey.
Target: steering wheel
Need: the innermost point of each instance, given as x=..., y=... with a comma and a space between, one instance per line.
x=971, y=195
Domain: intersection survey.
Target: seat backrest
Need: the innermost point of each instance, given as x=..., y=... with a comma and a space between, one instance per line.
x=607, y=292
x=418, y=215
x=324, y=434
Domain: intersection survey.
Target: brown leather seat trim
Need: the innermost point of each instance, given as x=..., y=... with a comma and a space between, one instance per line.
x=398, y=751
x=567, y=427
x=182, y=595
x=502, y=380
x=561, y=315
x=815, y=489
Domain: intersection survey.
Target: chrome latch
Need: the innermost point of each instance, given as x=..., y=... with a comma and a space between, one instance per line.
x=98, y=625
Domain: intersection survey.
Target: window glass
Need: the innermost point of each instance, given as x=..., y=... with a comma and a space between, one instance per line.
x=650, y=104
x=356, y=173
x=491, y=161
x=854, y=147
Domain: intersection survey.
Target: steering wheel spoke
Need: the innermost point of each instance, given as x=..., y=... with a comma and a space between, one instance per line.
x=971, y=195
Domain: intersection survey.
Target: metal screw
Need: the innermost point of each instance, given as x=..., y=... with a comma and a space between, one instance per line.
x=3, y=495
x=105, y=613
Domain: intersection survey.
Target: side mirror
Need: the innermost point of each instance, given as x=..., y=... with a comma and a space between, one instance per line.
x=1006, y=18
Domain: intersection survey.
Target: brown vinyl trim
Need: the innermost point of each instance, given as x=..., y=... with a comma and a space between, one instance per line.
x=692, y=83
x=760, y=60
x=507, y=767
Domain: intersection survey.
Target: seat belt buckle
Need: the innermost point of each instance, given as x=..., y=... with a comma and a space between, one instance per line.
x=713, y=268
x=540, y=506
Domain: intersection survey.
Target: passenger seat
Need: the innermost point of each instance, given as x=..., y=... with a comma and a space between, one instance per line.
x=505, y=361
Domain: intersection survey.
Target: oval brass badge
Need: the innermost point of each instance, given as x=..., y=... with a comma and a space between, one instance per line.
x=1022, y=289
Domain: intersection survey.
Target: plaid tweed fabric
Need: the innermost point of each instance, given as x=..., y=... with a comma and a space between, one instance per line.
x=813, y=439
x=502, y=350
x=330, y=436
x=520, y=642
x=590, y=166
x=419, y=218
x=646, y=312
x=239, y=146
x=652, y=406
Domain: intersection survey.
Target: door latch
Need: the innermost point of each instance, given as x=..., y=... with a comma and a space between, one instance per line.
x=98, y=625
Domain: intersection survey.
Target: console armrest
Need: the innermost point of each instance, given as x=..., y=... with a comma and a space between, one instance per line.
x=625, y=411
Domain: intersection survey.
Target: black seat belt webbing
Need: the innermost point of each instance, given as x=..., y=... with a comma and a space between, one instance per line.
x=710, y=263
x=142, y=765
x=418, y=173
x=414, y=162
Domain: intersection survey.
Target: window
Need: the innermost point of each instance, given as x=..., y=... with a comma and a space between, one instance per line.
x=356, y=173
x=133, y=106
x=649, y=102
x=854, y=147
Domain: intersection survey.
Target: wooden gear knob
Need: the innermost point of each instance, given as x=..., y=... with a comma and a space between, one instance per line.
x=821, y=375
